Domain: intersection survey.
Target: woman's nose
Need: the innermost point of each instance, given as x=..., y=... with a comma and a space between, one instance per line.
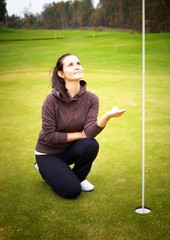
x=77, y=66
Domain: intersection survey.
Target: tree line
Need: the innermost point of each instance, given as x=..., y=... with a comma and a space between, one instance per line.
x=73, y=14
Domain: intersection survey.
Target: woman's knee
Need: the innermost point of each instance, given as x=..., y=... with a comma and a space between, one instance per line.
x=70, y=191
x=92, y=145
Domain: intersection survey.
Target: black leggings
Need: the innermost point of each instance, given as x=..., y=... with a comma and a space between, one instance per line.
x=55, y=169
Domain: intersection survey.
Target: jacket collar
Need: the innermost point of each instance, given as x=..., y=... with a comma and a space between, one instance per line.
x=83, y=85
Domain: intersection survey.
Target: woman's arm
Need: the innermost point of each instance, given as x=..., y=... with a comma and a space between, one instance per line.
x=50, y=134
x=115, y=112
x=75, y=136
x=93, y=126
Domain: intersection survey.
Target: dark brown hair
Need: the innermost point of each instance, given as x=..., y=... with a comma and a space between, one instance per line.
x=58, y=82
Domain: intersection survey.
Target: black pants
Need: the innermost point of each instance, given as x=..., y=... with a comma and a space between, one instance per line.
x=55, y=169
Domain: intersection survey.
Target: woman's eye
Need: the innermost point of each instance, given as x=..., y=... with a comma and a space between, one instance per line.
x=72, y=64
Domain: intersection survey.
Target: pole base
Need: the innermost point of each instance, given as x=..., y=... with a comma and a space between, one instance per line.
x=142, y=210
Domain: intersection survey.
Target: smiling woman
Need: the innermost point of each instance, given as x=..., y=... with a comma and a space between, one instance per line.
x=69, y=126
x=72, y=71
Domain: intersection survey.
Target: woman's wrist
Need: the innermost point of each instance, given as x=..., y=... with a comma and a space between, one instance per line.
x=103, y=120
x=75, y=136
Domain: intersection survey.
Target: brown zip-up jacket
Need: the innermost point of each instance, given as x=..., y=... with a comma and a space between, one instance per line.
x=60, y=117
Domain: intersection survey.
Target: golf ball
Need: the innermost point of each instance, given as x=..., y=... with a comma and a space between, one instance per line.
x=115, y=109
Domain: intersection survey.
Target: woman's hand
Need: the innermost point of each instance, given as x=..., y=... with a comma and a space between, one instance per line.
x=82, y=135
x=75, y=136
x=116, y=112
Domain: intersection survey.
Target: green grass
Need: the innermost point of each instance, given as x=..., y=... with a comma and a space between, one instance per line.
x=112, y=68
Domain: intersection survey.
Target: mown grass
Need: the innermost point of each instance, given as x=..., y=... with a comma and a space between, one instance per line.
x=112, y=68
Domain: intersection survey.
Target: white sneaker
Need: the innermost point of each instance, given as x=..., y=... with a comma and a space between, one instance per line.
x=86, y=186
x=36, y=167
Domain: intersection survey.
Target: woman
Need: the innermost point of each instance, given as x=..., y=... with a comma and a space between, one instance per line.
x=69, y=126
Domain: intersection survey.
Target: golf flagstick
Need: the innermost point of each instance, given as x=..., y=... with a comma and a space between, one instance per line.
x=143, y=210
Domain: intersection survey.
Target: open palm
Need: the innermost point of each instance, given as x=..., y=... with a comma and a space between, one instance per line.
x=116, y=112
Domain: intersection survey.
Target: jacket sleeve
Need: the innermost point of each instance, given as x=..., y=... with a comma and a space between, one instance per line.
x=49, y=123
x=91, y=128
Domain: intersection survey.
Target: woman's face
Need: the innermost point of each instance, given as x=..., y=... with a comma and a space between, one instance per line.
x=72, y=69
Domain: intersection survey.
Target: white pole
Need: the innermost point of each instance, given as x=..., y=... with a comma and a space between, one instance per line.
x=143, y=210
x=143, y=102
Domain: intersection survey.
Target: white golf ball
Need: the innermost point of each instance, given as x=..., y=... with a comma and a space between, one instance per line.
x=115, y=109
